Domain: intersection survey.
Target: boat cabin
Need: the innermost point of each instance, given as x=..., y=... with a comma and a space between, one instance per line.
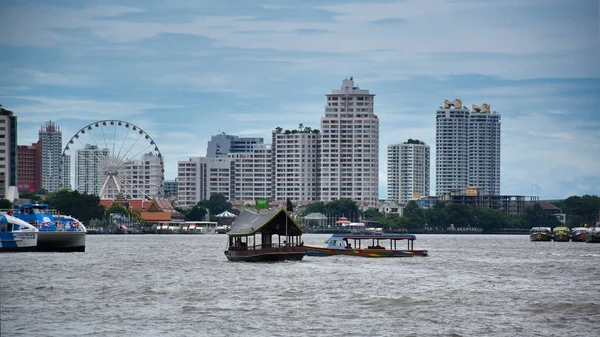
x=266, y=236
x=371, y=241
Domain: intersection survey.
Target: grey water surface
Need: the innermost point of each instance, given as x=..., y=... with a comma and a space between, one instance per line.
x=182, y=285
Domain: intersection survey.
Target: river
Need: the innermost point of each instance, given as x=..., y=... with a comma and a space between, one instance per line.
x=182, y=285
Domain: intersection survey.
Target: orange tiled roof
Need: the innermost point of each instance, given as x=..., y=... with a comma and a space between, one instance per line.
x=155, y=216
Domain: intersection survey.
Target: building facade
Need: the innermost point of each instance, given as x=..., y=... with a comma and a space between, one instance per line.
x=8, y=154
x=88, y=170
x=222, y=145
x=29, y=169
x=408, y=171
x=296, y=164
x=137, y=179
x=201, y=177
x=467, y=149
x=350, y=146
x=484, y=149
x=171, y=187
x=51, y=138
x=252, y=174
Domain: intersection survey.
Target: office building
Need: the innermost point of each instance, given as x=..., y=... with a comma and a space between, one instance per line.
x=51, y=137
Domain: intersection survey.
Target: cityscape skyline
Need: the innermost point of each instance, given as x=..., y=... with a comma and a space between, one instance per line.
x=169, y=72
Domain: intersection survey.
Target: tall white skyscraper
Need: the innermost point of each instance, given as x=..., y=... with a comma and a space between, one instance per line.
x=350, y=146
x=467, y=149
x=51, y=138
x=88, y=173
x=408, y=170
x=296, y=164
x=484, y=150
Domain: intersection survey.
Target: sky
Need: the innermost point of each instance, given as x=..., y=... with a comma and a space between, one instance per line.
x=186, y=70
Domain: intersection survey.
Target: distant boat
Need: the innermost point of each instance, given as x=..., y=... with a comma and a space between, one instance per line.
x=593, y=235
x=578, y=234
x=56, y=234
x=17, y=235
x=368, y=245
x=561, y=234
x=266, y=236
x=540, y=234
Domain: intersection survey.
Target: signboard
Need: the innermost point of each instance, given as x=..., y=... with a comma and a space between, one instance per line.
x=262, y=203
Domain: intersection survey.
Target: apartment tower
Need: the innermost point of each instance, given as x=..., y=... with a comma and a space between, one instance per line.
x=296, y=164
x=51, y=138
x=350, y=146
x=408, y=171
x=467, y=149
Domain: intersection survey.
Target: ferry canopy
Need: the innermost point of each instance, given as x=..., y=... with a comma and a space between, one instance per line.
x=276, y=221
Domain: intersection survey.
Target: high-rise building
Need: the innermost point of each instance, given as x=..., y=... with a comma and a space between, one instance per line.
x=88, y=170
x=408, y=171
x=222, y=144
x=201, y=177
x=51, y=138
x=8, y=154
x=350, y=146
x=29, y=170
x=484, y=150
x=252, y=173
x=296, y=164
x=467, y=149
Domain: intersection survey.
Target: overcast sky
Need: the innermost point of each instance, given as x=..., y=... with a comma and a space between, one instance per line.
x=186, y=70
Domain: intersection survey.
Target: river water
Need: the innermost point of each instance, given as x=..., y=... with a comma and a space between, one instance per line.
x=182, y=285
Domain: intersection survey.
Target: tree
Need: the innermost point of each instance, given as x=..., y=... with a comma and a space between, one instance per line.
x=216, y=204
x=343, y=207
x=460, y=215
x=535, y=216
x=84, y=206
x=437, y=216
x=315, y=207
x=196, y=213
x=371, y=214
x=5, y=204
x=289, y=206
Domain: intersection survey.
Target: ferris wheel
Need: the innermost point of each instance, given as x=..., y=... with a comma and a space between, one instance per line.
x=112, y=158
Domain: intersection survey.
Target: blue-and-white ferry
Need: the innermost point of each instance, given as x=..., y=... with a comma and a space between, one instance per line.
x=56, y=233
x=17, y=235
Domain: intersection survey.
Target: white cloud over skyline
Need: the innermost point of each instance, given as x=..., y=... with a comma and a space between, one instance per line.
x=191, y=69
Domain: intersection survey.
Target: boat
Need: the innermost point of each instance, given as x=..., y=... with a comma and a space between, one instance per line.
x=17, y=235
x=578, y=234
x=56, y=233
x=222, y=229
x=265, y=236
x=540, y=234
x=593, y=235
x=368, y=245
x=561, y=234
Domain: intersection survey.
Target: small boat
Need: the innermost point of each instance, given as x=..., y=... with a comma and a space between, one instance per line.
x=593, y=235
x=578, y=234
x=56, y=233
x=561, y=234
x=368, y=245
x=540, y=234
x=266, y=236
x=17, y=235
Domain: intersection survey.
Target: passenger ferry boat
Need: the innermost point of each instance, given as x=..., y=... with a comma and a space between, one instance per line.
x=578, y=234
x=17, y=235
x=561, y=234
x=368, y=245
x=56, y=233
x=265, y=236
x=540, y=234
x=187, y=227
